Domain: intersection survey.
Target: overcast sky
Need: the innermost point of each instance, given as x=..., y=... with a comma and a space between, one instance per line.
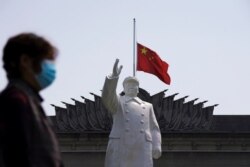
x=205, y=42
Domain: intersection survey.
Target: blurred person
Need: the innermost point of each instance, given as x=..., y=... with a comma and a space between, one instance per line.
x=27, y=137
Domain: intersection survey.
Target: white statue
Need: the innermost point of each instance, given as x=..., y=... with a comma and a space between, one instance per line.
x=135, y=137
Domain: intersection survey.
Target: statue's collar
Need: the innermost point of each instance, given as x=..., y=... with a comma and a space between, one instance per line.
x=136, y=99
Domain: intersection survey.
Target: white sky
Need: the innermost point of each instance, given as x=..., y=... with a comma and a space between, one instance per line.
x=206, y=43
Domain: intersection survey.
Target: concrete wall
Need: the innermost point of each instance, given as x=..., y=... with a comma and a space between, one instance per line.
x=82, y=159
x=168, y=159
x=179, y=150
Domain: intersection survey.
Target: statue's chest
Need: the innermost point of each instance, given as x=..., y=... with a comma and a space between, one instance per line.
x=135, y=113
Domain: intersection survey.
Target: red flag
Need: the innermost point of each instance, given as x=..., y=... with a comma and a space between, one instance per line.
x=149, y=61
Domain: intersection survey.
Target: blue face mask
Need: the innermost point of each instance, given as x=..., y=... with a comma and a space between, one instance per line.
x=47, y=75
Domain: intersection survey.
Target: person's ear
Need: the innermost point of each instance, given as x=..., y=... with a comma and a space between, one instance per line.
x=25, y=62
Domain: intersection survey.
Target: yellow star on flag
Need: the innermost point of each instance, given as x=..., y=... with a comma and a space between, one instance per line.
x=144, y=51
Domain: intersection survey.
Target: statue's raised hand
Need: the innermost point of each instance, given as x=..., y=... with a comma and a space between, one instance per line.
x=116, y=70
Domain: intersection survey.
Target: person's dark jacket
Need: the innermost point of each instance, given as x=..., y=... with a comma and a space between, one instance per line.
x=27, y=137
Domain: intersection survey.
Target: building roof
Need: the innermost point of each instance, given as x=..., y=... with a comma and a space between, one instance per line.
x=173, y=115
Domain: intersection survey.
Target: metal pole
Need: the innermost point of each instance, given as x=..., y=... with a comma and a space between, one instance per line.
x=134, y=50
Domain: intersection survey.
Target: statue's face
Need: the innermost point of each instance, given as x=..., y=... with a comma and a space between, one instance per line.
x=131, y=89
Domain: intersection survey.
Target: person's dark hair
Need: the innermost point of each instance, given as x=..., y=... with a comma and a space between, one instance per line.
x=29, y=44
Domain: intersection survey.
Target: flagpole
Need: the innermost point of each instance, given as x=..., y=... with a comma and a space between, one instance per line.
x=134, y=48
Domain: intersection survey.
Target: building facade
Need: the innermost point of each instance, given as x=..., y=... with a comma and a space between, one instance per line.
x=191, y=135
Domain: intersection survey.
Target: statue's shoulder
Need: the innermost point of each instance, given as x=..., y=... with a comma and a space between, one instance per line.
x=145, y=102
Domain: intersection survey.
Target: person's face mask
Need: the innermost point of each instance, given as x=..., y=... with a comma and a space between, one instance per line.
x=47, y=74
x=131, y=89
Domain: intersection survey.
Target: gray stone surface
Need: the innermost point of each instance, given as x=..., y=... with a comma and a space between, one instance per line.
x=168, y=159
x=83, y=159
x=204, y=159
x=179, y=149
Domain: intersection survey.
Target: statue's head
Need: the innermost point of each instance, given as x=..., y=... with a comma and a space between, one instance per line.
x=131, y=86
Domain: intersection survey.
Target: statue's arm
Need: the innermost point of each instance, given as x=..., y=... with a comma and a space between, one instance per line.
x=156, y=135
x=109, y=96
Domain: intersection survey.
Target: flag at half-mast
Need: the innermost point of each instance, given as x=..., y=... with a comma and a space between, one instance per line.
x=149, y=61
